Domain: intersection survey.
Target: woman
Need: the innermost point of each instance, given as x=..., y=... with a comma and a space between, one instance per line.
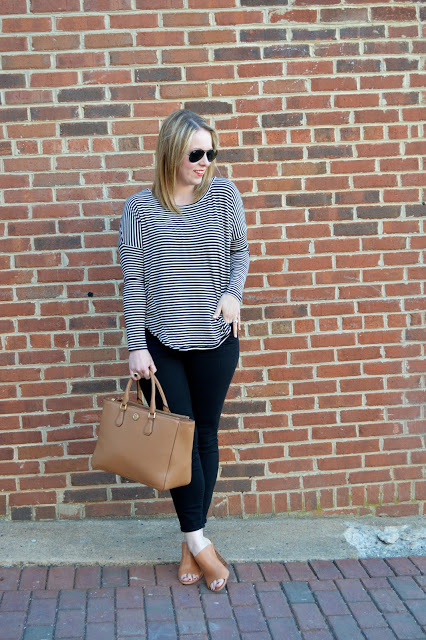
x=184, y=255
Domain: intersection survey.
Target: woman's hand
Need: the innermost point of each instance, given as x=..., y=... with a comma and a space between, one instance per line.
x=141, y=365
x=229, y=307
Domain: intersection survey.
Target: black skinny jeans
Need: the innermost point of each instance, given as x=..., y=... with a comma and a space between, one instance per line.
x=195, y=383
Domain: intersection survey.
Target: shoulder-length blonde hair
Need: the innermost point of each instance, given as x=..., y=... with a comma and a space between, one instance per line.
x=173, y=140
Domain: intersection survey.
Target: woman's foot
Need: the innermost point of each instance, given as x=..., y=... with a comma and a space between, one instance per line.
x=189, y=572
x=196, y=542
x=214, y=569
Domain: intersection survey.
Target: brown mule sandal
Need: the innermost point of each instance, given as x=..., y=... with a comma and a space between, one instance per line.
x=188, y=565
x=212, y=564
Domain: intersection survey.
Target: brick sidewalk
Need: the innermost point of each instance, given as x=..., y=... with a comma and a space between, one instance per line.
x=371, y=599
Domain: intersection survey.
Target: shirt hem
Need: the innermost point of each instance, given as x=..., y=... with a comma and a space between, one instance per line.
x=192, y=348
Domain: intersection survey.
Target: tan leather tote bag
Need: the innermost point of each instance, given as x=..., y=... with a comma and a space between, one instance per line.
x=145, y=444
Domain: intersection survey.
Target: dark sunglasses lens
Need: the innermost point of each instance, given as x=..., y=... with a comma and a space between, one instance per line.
x=196, y=155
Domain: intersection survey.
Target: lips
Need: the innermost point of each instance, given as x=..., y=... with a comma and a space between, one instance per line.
x=199, y=173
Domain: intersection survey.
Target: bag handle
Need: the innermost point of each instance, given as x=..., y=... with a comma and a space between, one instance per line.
x=152, y=408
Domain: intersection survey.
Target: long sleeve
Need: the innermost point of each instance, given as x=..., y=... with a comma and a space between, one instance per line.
x=130, y=249
x=240, y=255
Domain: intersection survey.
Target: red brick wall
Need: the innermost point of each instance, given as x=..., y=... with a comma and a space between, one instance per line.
x=318, y=107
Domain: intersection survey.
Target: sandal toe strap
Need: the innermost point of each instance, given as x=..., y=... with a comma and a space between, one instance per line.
x=210, y=564
x=188, y=564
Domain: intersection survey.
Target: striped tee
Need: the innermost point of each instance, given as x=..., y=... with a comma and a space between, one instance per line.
x=177, y=266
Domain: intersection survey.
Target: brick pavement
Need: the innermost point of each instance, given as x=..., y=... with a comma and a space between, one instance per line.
x=371, y=599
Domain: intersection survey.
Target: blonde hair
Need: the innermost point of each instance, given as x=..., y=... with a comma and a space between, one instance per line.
x=173, y=140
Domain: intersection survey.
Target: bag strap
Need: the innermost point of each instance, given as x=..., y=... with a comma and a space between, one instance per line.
x=154, y=384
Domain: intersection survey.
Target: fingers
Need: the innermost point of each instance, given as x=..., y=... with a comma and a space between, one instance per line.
x=136, y=375
x=142, y=368
x=236, y=326
x=218, y=310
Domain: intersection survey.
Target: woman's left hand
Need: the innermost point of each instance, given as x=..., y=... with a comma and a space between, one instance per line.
x=229, y=307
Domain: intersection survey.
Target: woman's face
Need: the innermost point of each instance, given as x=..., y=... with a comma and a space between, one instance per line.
x=191, y=173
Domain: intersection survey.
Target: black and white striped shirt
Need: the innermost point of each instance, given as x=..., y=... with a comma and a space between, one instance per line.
x=177, y=266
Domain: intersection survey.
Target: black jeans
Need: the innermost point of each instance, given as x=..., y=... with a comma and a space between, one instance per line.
x=195, y=383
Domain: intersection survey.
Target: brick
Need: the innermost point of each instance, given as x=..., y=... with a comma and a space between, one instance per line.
x=274, y=605
x=281, y=120
x=33, y=578
x=15, y=601
x=344, y=15
x=404, y=625
x=42, y=612
x=352, y=590
x=70, y=621
x=9, y=81
x=298, y=592
x=83, y=128
x=274, y=572
x=158, y=609
x=331, y=603
x=308, y=616
x=38, y=632
x=237, y=53
x=284, y=628
x=60, y=578
x=211, y=36
x=100, y=610
x=191, y=621
x=224, y=628
x=231, y=18
x=344, y=627
x=129, y=597
x=115, y=576
x=12, y=624
x=9, y=578
x=406, y=588
x=72, y=599
x=249, y=618
x=417, y=609
x=366, y=615
x=420, y=562
x=248, y=572
x=212, y=609
x=325, y=570
x=387, y=601
x=260, y=35
x=159, y=38
x=376, y=567
x=98, y=630
x=403, y=567
x=241, y=594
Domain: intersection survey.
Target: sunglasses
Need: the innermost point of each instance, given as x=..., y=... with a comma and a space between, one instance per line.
x=197, y=154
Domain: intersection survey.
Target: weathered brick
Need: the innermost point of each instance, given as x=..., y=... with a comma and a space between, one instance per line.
x=84, y=128
x=314, y=107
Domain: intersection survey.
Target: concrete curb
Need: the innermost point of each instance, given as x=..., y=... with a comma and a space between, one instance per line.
x=154, y=541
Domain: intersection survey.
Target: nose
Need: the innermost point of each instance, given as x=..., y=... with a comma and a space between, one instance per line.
x=204, y=161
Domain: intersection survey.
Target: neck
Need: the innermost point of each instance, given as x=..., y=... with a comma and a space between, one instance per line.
x=184, y=194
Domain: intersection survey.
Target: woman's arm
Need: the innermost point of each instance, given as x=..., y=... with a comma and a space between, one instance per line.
x=130, y=249
x=229, y=303
x=240, y=255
